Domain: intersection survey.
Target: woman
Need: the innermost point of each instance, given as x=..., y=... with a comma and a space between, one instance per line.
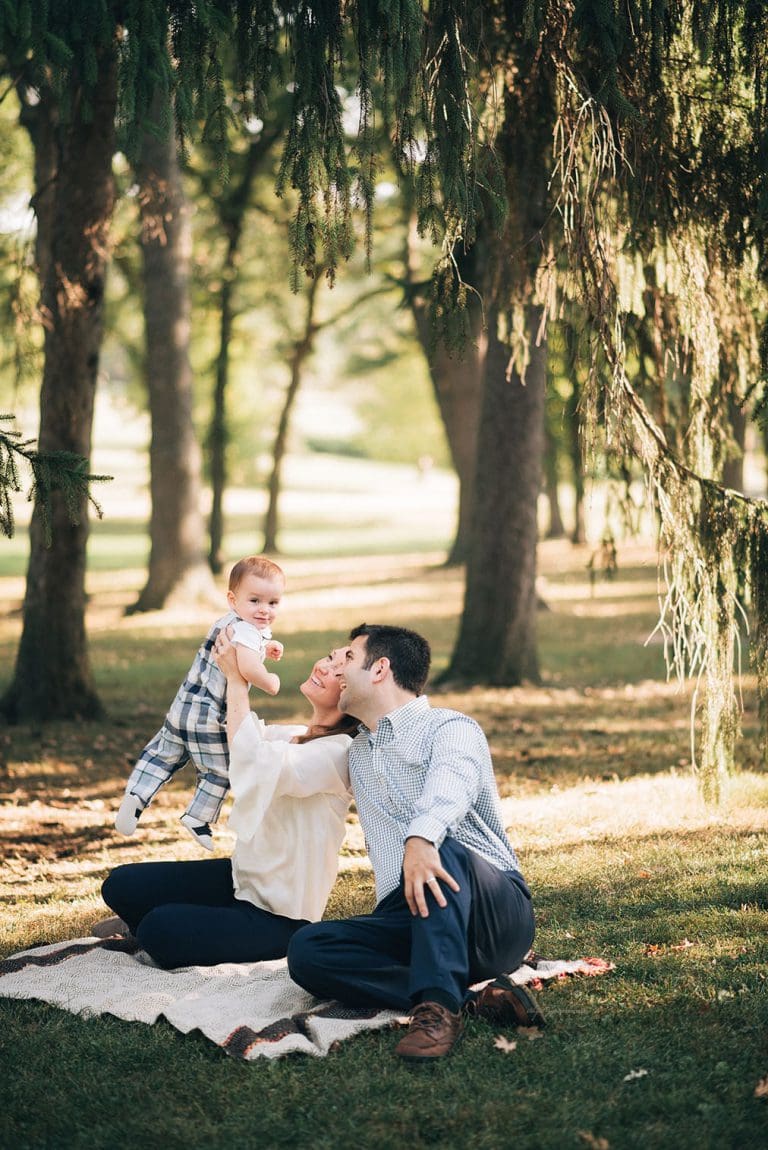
x=291, y=793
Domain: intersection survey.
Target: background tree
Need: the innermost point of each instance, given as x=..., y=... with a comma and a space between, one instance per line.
x=84, y=77
x=496, y=642
x=686, y=175
x=252, y=154
x=455, y=367
x=53, y=675
x=177, y=564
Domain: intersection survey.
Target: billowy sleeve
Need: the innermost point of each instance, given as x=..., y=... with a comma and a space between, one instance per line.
x=264, y=765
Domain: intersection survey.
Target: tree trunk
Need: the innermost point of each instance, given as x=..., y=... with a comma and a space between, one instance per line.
x=579, y=532
x=177, y=566
x=302, y=350
x=232, y=205
x=496, y=643
x=497, y=637
x=733, y=467
x=555, y=529
x=218, y=434
x=457, y=380
x=53, y=677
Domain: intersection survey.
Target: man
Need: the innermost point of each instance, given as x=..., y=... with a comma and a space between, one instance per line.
x=452, y=907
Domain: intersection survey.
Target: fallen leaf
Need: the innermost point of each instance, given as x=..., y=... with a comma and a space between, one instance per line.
x=761, y=1090
x=633, y=1074
x=594, y=1143
x=644, y=874
x=682, y=945
x=502, y=1043
x=530, y=1032
x=653, y=949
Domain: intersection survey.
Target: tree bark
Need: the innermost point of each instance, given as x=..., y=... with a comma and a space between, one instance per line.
x=178, y=569
x=231, y=205
x=301, y=351
x=555, y=528
x=497, y=635
x=74, y=199
x=218, y=433
x=457, y=381
x=573, y=430
x=496, y=642
x=733, y=467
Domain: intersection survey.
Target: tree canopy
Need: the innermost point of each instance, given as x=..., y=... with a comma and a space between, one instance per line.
x=590, y=137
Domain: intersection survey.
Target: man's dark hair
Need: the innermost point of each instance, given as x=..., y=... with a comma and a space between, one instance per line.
x=408, y=653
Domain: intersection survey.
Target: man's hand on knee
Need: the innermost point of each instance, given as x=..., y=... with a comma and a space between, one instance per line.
x=422, y=872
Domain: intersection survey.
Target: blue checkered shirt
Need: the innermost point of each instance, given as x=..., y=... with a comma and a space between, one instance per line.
x=426, y=771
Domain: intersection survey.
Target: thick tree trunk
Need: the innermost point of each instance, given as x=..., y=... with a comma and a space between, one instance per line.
x=53, y=677
x=496, y=643
x=301, y=352
x=457, y=380
x=497, y=637
x=177, y=564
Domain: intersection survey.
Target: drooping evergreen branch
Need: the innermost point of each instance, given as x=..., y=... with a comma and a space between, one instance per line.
x=713, y=541
x=52, y=471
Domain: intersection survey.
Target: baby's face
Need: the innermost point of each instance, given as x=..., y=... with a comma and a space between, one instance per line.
x=256, y=599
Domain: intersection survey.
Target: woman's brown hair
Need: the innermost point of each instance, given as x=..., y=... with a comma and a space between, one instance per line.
x=347, y=725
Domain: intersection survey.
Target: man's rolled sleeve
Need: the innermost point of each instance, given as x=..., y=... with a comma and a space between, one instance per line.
x=429, y=828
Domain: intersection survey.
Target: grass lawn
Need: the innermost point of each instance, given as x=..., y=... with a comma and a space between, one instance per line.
x=625, y=863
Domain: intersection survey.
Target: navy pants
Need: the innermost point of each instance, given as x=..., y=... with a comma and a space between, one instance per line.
x=391, y=957
x=186, y=914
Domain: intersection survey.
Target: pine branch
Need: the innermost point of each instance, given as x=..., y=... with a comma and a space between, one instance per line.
x=51, y=471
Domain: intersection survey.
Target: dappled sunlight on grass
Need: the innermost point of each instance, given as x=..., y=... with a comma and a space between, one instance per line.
x=633, y=808
x=623, y=858
x=598, y=754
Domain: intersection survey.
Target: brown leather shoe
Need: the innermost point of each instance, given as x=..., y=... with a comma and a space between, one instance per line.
x=433, y=1033
x=506, y=1004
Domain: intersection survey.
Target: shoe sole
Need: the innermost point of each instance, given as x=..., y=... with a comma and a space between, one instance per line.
x=533, y=1015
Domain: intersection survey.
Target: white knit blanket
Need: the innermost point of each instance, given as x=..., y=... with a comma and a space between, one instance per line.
x=250, y=1010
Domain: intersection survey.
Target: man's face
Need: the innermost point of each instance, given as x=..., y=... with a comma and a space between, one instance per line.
x=355, y=680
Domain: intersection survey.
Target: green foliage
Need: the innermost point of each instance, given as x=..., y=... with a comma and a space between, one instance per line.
x=678, y=332
x=659, y=116
x=58, y=471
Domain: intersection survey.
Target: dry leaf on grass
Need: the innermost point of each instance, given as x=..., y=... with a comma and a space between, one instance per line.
x=761, y=1090
x=655, y=949
x=594, y=1143
x=530, y=1032
x=503, y=1044
x=633, y=1074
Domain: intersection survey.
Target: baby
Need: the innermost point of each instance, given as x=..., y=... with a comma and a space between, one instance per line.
x=195, y=726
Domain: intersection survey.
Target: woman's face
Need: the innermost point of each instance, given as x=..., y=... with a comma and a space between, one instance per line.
x=322, y=686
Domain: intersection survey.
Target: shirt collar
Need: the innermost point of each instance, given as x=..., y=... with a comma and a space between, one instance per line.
x=391, y=725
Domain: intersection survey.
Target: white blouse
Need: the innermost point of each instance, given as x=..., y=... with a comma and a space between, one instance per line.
x=290, y=804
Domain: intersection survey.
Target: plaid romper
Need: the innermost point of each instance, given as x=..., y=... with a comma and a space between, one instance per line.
x=195, y=730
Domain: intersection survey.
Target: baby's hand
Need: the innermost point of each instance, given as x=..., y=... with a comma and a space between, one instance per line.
x=273, y=649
